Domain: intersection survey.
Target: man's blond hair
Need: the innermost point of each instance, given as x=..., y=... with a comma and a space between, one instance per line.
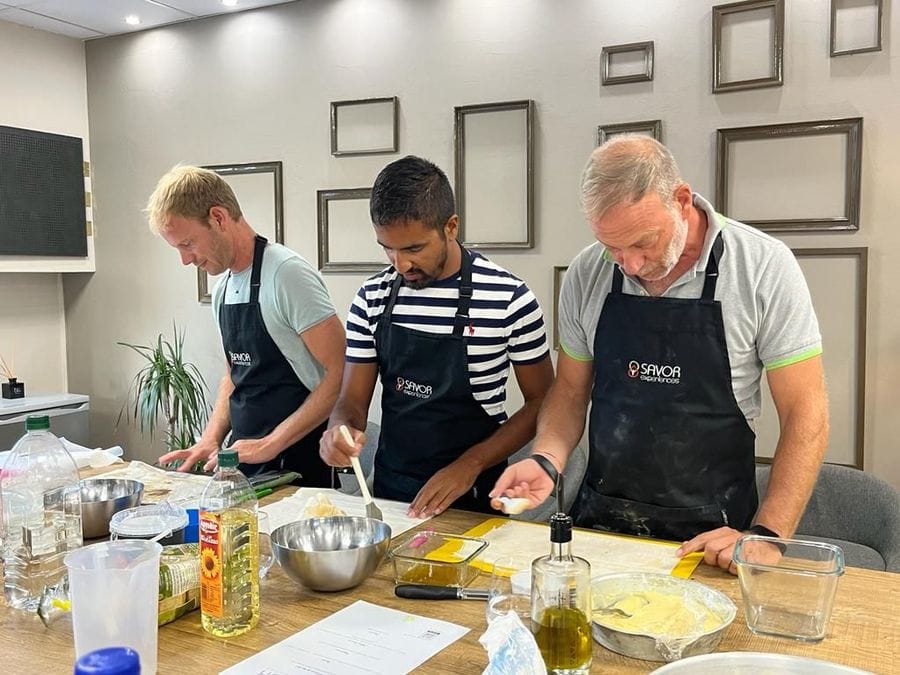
x=190, y=192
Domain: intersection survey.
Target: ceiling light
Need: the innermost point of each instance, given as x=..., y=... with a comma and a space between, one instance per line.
x=229, y=3
x=132, y=20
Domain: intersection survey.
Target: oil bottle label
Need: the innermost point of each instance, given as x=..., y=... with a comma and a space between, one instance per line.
x=211, y=586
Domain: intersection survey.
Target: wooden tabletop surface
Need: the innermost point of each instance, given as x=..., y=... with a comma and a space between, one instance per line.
x=864, y=630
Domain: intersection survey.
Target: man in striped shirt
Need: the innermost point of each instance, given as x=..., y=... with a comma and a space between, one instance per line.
x=440, y=327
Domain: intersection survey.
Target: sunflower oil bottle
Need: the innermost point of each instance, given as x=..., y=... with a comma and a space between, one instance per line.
x=229, y=551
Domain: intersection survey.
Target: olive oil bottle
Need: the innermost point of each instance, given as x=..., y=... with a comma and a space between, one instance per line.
x=561, y=603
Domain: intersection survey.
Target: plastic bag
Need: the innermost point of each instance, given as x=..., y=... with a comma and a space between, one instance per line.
x=511, y=648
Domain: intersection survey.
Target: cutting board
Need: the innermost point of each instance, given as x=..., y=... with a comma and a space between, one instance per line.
x=606, y=552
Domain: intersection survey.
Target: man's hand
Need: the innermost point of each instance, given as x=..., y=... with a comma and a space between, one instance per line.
x=250, y=451
x=200, y=451
x=442, y=489
x=334, y=448
x=717, y=546
x=525, y=479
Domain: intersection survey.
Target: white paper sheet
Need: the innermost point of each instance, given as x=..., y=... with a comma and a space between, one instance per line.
x=361, y=638
x=290, y=508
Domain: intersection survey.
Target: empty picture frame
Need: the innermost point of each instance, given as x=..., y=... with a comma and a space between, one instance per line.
x=559, y=273
x=621, y=64
x=856, y=26
x=258, y=187
x=837, y=280
x=748, y=45
x=346, y=239
x=494, y=167
x=652, y=128
x=802, y=176
x=365, y=126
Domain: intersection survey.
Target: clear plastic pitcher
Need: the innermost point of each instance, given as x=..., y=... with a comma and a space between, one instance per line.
x=114, y=588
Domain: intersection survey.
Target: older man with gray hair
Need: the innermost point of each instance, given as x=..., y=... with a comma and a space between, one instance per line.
x=666, y=326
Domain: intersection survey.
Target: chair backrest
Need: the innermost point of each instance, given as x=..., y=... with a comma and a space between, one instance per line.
x=851, y=505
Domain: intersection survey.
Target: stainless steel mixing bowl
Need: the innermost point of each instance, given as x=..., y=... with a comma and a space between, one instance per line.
x=101, y=498
x=331, y=554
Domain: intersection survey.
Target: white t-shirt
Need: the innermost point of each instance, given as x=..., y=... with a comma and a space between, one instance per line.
x=766, y=306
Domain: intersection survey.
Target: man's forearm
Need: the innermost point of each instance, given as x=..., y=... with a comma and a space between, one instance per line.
x=560, y=424
x=311, y=413
x=219, y=423
x=795, y=468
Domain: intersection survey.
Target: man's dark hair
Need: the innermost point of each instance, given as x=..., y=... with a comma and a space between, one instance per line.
x=412, y=188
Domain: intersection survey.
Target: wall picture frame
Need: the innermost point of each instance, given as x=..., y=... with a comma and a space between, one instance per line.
x=346, y=239
x=259, y=188
x=837, y=280
x=652, y=128
x=494, y=174
x=617, y=63
x=808, y=172
x=559, y=274
x=366, y=126
x=856, y=27
x=748, y=45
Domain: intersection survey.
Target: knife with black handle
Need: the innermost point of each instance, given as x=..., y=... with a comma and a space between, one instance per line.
x=425, y=592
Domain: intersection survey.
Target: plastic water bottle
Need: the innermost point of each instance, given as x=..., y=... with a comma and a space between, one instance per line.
x=229, y=551
x=109, y=661
x=41, y=513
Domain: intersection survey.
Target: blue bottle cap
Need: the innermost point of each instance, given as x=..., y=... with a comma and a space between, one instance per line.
x=109, y=661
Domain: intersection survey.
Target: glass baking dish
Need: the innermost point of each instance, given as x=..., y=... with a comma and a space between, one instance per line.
x=437, y=559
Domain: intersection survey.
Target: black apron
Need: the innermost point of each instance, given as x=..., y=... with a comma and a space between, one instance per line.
x=266, y=388
x=671, y=453
x=429, y=414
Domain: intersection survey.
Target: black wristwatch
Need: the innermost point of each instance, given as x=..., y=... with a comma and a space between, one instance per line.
x=762, y=530
x=547, y=466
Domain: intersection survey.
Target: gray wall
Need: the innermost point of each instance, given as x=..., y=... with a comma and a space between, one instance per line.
x=256, y=86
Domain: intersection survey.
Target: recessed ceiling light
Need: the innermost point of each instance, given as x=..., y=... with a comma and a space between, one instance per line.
x=229, y=3
x=132, y=20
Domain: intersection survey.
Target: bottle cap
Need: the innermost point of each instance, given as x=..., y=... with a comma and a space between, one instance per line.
x=37, y=423
x=228, y=457
x=109, y=661
x=560, y=528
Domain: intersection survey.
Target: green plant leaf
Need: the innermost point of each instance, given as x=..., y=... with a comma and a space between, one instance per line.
x=167, y=393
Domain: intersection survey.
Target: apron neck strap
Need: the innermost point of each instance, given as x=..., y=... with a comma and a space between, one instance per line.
x=617, y=280
x=712, y=272
x=259, y=246
x=465, y=293
x=712, y=269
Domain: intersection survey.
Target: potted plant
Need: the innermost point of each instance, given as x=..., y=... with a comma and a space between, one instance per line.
x=167, y=388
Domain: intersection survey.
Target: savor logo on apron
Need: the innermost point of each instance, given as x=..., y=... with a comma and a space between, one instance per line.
x=240, y=358
x=654, y=373
x=414, y=389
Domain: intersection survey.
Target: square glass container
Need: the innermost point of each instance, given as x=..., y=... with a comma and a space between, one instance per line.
x=788, y=585
x=436, y=559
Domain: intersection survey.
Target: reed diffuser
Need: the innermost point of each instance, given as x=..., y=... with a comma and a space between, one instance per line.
x=13, y=388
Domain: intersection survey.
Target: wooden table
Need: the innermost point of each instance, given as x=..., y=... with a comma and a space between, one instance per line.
x=864, y=630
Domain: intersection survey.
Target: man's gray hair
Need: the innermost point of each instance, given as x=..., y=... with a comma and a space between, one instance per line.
x=625, y=169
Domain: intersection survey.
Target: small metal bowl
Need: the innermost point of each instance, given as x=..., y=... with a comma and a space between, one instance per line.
x=657, y=647
x=102, y=498
x=331, y=554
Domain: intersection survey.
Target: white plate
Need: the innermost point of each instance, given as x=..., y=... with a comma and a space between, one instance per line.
x=755, y=663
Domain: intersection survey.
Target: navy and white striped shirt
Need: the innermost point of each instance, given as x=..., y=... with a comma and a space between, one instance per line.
x=506, y=324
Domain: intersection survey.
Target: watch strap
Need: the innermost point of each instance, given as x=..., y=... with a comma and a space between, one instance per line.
x=762, y=530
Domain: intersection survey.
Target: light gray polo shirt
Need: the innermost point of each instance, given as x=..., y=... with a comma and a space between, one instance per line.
x=766, y=306
x=292, y=297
